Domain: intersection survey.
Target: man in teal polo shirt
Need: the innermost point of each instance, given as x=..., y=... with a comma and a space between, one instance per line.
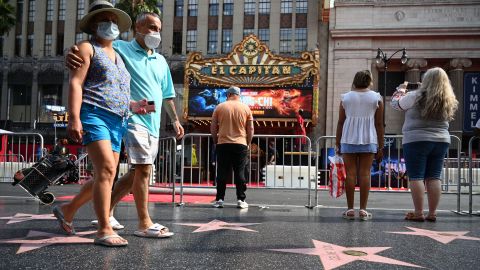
x=150, y=80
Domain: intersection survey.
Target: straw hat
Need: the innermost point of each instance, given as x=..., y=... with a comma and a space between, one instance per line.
x=124, y=21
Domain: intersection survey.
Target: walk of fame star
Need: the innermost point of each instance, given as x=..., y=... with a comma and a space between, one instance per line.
x=333, y=256
x=444, y=237
x=215, y=225
x=21, y=217
x=32, y=241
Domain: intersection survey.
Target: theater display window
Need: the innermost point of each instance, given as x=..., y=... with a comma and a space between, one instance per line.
x=274, y=87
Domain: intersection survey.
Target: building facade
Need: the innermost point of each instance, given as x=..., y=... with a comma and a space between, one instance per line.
x=442, y=33
x=33, y=73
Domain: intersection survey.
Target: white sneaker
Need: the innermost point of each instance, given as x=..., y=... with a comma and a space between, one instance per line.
x=113, y=222
x=242, y=204
x=218, y=204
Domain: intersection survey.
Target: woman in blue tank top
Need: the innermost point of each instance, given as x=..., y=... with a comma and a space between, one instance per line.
x=98, y=103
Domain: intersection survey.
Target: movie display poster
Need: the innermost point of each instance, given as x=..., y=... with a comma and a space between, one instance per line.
x=264, y=103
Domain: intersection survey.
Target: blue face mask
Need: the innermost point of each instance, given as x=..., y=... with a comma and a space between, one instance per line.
x=108, y=30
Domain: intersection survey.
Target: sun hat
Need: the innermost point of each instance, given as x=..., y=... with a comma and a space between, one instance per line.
x=124, y=21
x=234, y=90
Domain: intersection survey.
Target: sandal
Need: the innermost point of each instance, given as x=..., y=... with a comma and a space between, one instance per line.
x=349, y=214
x=67, y=227
x=431, y=218
x=102, y=241
x=414, y=217
x=154, y=231
x=364, y=215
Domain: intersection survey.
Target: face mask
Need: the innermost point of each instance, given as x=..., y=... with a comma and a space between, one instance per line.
x=108, y=30
x=152, y=40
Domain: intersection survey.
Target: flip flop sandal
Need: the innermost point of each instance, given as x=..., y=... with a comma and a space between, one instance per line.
x=67, y=227
x=364, y=215
x=411, y=216
x=154, y=231
x=102, y=241
x=431, y=218
x=113, y=222
x=346, y=214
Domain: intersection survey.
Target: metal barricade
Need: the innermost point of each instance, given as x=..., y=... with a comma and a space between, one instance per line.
x=473, y=175
x=18, y=151
x=266, y=167
x=165, y=171
x=391, y=174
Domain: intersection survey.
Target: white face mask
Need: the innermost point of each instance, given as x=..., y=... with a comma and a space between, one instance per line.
x=152, y=40
x=108, y=30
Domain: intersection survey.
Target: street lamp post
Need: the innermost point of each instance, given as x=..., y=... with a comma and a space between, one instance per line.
x=382, y=57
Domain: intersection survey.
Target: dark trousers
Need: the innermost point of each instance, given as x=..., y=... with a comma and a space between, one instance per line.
x=231, y=156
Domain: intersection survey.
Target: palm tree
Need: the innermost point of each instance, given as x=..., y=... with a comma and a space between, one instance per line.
x=7, y=17
x=135, y=7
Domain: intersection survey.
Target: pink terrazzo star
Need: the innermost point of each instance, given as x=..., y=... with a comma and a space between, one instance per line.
x=444, y=237
x=215, y=225
x=333, y=256
x=31, y=244
x=21, y=217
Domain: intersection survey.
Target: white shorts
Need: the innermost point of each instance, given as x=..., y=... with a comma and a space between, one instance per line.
x=142, y=148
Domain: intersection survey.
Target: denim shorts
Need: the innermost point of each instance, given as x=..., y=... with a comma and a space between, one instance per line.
x=346, y=148
x=424, y=160
x=100, y=124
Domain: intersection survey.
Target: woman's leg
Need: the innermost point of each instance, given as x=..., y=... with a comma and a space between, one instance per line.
x=364, y=174
x=85, y=195
x=416, y=162
x=434, y=191
x=433, y=172
x=350, y=161
x=417, y=188
x=105, y=164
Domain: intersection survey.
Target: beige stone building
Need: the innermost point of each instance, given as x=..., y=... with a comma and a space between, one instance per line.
x=443, y=33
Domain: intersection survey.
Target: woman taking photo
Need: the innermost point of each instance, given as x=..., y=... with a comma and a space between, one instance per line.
x=425, y=137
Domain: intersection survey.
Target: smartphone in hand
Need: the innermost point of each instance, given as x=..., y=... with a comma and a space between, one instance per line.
x=150, y=107
x=413, y=86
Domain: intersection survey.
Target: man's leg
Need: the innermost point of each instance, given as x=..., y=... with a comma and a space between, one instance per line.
x=122, y=188
x=223, y=169
x=239, y=161
x=140, y=193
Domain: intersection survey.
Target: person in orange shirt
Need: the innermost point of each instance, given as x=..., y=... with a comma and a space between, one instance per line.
x=232, y=132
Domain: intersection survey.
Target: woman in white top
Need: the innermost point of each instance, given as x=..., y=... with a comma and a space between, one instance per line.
x=360, y=138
